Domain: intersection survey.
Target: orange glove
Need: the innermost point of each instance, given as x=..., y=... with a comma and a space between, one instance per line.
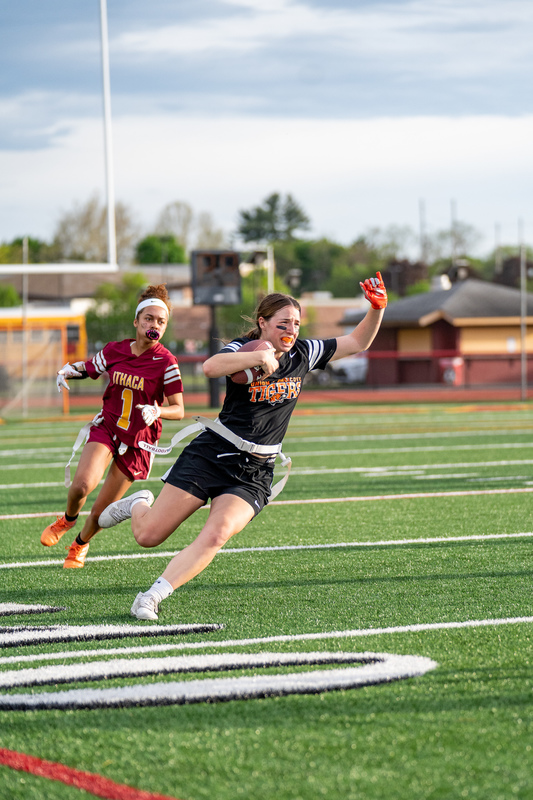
x=374, y=291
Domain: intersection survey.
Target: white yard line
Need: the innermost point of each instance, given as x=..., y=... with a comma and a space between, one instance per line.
x=304, y=471
x=278, y=548
x=361, y=498
x=301, y=637
x=400, y=468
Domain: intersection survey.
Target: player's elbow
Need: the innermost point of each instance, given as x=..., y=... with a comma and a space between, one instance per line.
x=209, y=369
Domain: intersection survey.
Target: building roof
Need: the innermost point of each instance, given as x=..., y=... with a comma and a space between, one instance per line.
x=48, y=287
x=469, y=302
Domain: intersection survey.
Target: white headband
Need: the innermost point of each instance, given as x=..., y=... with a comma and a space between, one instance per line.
x=151, y=301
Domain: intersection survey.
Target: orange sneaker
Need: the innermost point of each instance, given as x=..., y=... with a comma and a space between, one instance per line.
x=76, y=556
x=53, y=533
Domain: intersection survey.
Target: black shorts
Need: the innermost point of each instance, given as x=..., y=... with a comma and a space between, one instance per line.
x=210, y=466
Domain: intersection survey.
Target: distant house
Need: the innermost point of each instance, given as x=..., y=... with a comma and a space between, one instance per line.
x=467, y=334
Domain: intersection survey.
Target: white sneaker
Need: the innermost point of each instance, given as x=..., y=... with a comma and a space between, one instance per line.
x=145, y=606
x=121, y=509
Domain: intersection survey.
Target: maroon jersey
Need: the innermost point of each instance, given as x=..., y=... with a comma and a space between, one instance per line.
x=134, y=380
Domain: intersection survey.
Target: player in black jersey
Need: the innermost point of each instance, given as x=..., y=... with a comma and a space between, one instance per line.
x=233, y=466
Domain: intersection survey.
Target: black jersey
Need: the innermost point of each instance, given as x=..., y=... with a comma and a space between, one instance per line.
x=260, y=411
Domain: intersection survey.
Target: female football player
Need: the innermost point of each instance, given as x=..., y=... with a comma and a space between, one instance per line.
x=232, y=460
x=142, y=374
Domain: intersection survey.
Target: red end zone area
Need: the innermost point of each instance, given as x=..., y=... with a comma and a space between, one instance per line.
x=96, y=785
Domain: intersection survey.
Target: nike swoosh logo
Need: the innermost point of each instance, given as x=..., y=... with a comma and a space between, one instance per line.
x=138, y=472
x=158, y=358
x=291, y=355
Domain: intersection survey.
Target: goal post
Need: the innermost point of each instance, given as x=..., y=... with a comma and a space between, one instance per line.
x=37, y=339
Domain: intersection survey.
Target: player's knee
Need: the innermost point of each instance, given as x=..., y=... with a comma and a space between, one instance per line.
x=145, y=535
x=79, y=489
x=218, y=537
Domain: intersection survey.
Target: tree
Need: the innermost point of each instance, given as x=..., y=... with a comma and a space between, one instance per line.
x=155, y=249
x=208, y=237
x=293, y=218
x=112, y=317
x=420, y=287
x=176, y=219
x=81, y=234
x=392, y=242
x=237, y=319
x=451, y=243
x=275, y=220
x=319, y=264
x=9, y=296
x=38, y=251
x=342, y=281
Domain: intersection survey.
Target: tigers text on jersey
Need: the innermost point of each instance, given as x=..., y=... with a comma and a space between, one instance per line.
x=134, y=380
x=260, y=411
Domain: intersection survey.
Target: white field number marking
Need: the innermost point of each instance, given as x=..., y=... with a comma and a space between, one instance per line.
x=363, y=669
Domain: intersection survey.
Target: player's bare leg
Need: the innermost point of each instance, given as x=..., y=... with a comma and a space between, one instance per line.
x=93, y=462
x=228, y=515
x=115, y=486
x=152, y=526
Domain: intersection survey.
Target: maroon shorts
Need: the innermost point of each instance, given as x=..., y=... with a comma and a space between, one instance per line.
x=134, y=463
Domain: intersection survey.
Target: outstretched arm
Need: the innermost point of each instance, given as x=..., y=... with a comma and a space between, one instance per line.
x=364, y=334
x=76, y=370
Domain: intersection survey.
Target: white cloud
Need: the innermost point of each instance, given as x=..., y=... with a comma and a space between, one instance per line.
x=453, y=39
x=347, y=174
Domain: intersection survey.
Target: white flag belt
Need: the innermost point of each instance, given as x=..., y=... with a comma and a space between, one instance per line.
x=82, y=437
x=203, y=423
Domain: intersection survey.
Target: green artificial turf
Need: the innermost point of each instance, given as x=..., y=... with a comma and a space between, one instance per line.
x=461, y=730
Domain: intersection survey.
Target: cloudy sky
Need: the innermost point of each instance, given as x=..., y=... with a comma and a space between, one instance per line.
x=365, y=111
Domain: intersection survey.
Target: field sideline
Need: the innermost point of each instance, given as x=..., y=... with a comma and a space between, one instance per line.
x=369, y=635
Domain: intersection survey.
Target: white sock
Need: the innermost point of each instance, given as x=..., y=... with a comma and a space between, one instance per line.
x=139, y=500
x=162, y=588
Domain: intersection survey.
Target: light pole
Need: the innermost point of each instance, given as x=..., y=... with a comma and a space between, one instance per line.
x=108, y=139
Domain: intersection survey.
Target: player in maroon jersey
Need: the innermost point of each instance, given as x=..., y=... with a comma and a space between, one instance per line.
x=232, y=460
x=142, y=374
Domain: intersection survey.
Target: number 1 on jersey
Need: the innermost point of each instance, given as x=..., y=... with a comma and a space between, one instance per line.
x=127, y=405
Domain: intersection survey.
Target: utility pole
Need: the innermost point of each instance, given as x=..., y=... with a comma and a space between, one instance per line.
x=454, y=233
x=523, y=312
x=497, y=250
x=423, y=232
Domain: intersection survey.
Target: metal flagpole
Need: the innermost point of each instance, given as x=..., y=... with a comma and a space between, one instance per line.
x=111, y=231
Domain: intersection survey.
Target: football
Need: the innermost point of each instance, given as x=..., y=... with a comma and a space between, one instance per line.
x=254, y=373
